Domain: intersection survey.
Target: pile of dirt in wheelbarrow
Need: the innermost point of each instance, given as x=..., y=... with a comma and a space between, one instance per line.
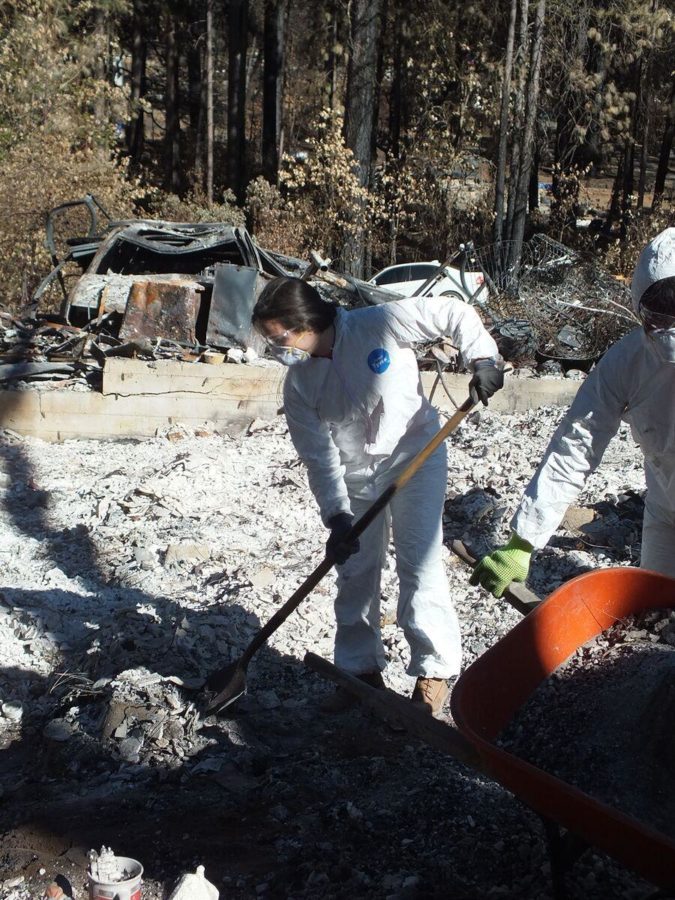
x=603, y=721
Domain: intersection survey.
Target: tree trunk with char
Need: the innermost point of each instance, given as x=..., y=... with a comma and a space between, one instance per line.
x=236, y=95
x=666, y=147
x=526, y=156
x=139, y=53
x=500, y=181
x=172, y=132
x=360, y=105
x=272, y=87
x=208, y=75
x=518, y=115
x=195, y=90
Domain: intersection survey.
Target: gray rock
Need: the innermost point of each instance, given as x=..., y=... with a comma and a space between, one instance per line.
x=268, y=699
x=186, y=553
x=60, y=730
x=12, y=710
x=130, y=749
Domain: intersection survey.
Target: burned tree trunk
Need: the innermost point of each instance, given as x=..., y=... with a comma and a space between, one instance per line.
x=139, y=53
x=195, y=97
x=614, y=211
x=518, y=115
x=666, y=147
x=500, y=182
x=361, y=87
x=526, y=157
x=644, y=153
x=360, y=105
x=533, y=185
x=628, y=181
x=236, y=97
x=194, y=72
x=172, y=131
x=208, y=75
x=399, y=105
x=572, y=151
x=272, y=87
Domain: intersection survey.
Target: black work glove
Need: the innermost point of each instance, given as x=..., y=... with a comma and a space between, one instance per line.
x=487, y=379
x=336, y=549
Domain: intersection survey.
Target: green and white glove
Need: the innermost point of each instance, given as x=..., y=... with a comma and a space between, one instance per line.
x=504, y=565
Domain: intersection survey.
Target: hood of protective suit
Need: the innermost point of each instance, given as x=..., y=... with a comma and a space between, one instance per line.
x=656, y=261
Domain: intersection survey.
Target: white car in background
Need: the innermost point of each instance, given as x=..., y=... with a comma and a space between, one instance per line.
x=406, y=278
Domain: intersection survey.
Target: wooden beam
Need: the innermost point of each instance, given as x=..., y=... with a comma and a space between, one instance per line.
x=258, y=387
x=389, y=705
x=59, y=415
x=140, y=397
x=517, y=396
x=519, y=596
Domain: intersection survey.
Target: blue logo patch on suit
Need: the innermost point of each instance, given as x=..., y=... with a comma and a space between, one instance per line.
x=378, y=360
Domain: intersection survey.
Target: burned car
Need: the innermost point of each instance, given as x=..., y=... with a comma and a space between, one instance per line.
x=167, y=288
x=191, y=284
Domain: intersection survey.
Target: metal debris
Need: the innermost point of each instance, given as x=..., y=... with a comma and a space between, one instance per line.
x=161, y=290
x=554, y=303
x=156, y=310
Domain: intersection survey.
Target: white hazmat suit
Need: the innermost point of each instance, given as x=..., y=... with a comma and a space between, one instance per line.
x=356, y=419
x=634, y=383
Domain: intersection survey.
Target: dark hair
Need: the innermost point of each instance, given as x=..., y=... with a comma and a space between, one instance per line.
x=660, y=296
x=295, y=304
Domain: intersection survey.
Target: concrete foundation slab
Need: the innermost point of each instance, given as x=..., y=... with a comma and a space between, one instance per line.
x=139, y=398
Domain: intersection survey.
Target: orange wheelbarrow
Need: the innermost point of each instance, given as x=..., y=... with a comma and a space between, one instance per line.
x=490, y=692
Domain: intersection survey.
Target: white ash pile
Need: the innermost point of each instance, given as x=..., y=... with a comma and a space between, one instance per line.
x=491, y=463
x=133, y=570
x=603, y=720
x=136, y=570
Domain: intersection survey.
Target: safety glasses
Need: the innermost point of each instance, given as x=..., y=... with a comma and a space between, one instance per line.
x=655, y=321
x=277, y=340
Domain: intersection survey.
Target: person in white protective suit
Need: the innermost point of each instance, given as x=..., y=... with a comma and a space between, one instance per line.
x=634, y=382
x=357, y=414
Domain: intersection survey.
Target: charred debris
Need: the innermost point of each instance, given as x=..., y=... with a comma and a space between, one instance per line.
x=164, y=290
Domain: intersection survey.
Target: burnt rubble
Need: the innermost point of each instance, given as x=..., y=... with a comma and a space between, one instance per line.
x=554, y=305
x=131, y=571
x=162, y=290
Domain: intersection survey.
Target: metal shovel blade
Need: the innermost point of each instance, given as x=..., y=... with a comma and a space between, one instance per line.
x=230, y=684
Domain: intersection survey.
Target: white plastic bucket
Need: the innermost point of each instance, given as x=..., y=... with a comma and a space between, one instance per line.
x=118, y=890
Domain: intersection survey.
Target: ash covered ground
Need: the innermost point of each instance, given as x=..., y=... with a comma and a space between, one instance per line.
x=131, y=570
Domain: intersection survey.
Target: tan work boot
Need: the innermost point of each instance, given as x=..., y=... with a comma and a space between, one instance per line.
x=341, y=699
x=431, y=694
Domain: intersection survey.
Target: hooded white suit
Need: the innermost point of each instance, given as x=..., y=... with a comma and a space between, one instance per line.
x=631, y=383
x=356, y=419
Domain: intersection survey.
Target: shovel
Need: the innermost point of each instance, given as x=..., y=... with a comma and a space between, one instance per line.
x=229, y=682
